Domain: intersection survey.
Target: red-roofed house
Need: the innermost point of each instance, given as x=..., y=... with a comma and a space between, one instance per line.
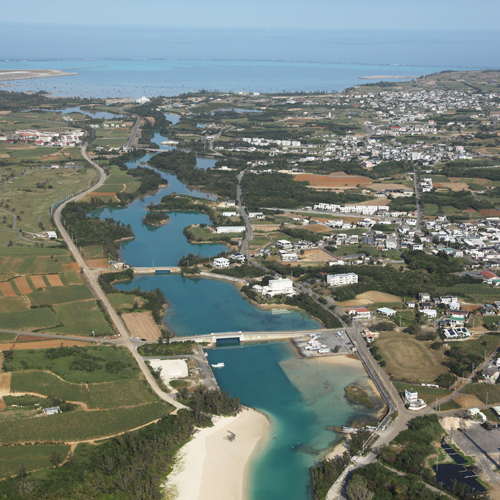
x=489, y=276
x=359, y=312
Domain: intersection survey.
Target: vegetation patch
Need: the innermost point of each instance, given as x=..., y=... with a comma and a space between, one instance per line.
x=32, y=319
x=356, y=394
x=59, y=295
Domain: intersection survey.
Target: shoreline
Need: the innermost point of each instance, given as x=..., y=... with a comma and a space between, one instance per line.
x=211, y=466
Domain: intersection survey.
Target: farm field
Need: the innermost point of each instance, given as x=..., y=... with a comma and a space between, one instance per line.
x=371, y=297
x=410, y=359
x=122, y=300
x=142, y=325
x=33, y=457
x=32, y=319
x=60, y=294
x=39, y=343
x=81, y=425
x=336, y=182
x=98, y=396
x=81, y=318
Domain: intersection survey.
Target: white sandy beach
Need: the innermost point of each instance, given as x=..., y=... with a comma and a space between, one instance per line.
x=210, y=466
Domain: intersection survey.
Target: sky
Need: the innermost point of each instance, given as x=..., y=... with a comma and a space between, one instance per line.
x=294, y=14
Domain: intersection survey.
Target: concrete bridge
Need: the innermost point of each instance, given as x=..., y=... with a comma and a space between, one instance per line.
x=157, y=270
x=214, y=338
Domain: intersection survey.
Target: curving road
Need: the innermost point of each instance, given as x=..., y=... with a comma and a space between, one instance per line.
x=92, y=279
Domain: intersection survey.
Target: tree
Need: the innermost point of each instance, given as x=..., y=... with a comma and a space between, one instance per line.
x=55, y=458
x=22, y=470
x=357, y=490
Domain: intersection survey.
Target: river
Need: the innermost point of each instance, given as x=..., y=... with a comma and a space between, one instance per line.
x=300, y=397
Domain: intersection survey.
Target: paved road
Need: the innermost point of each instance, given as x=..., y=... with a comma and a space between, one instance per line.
x=418, y=194
x=92, y=279
x=243, y=213
x=133, y=134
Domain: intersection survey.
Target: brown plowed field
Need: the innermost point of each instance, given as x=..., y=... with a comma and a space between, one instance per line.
x=468, y=400
x=142, y=325
x=316, y=256
x=334, y=182
x=5, y=383
x=72, y=266
x=54, y=280
x=38, y=281
x=29, y=338
x=22, y=285
x=100, y=263
x=43, y=344
x=318, y=228
x=7, y=290
x=2, y=405
x=490, y=212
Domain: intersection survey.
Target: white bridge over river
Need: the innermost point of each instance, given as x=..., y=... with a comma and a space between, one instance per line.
x=230, y=337
x=157, y=270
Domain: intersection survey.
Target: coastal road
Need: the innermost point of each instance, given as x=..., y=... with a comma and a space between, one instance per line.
x=92, y=279
x=133, y=134
x=244, y=215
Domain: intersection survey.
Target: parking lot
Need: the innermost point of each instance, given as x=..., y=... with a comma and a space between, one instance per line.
x=330, y=340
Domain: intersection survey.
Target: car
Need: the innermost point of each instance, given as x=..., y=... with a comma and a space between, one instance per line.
x=143, y=340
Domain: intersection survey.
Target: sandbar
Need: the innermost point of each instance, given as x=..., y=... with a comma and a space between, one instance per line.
x=211, y=466
x=7, y=75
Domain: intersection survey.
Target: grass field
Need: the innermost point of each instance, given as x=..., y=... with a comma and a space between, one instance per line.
x=480, y=291
x=93, y=251
x=80, y=425
x=449, y=405
x=485, y=392
x=121, y=300
x=31, y=195
x=107, y=364
x=8, y=304
x=7, y=337
x=103, y=396
x=33, y=457
x=410, y=359
x=32, y=319
x=428, y=394
x=60, y=295
x=81, y=318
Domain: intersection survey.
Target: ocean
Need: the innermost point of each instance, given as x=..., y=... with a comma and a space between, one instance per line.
x=134, y=61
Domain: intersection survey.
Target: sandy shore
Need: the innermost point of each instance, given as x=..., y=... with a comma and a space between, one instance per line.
x=210, y=466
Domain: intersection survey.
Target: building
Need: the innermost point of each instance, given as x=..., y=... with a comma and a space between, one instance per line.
x=280, y=286
x=142, y=100
x=411, y=396
x=288, y=257
x=51, y=234
x=230, y=203
x=229, y=214
x=221, y=262
x=430, y=313
x=341, y=279
x=385, y=311
x=284, y=244
x=51, y=411
x=230, y=229
x=237, y=256
x=360, y=312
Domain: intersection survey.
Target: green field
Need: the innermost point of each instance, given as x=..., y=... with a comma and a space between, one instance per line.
x=32, y=319
x=31, y=195
x=8, y=304
x=485, y=392
x=102, y=396
x=428, y=394
x=81, y=318
x=480, y=291
x=80, y=425
x=410, y=359
x=81, y=365
x=33, y=457
x=121, y=300
x=7, y=337
x=59, y=295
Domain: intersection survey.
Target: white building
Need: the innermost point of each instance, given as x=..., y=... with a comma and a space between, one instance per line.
x=341, y=279
x=221, y=262
x=280, y=286
x=284, y=244
x=229, y=214
x=142, y=100
x=230, y=229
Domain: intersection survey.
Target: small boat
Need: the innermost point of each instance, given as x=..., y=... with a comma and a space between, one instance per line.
x=218, y=365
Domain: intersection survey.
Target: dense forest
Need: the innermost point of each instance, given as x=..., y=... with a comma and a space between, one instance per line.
x=92, y=230
x=281, y=191
x=126, y=467
x=222, y=183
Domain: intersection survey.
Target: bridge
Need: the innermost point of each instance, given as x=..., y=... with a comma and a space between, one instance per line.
x=229, y=337
x=157, y=270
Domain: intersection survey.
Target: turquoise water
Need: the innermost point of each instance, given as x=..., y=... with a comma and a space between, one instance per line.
x=301, y=397
x=199, y=306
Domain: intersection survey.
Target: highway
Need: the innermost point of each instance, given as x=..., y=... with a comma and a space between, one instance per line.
x=92, y=279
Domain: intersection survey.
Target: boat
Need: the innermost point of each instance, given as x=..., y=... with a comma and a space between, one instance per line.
x=324, y=351
x=218, y=365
